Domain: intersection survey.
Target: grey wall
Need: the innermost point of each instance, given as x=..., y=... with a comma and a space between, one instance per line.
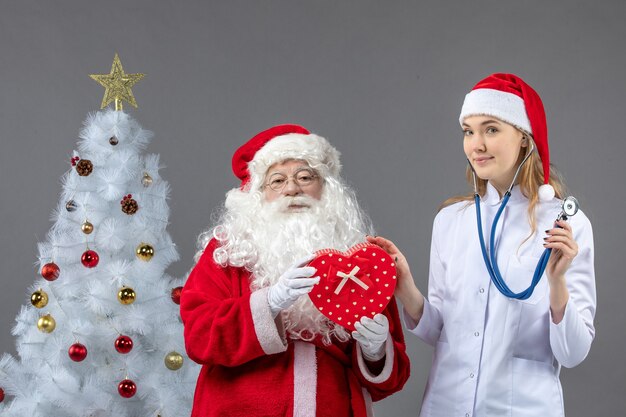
x=383, y=80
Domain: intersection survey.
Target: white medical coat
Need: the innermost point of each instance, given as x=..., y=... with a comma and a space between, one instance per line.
x=496, y=356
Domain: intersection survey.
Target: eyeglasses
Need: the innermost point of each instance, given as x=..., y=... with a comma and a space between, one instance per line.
x=303, y=178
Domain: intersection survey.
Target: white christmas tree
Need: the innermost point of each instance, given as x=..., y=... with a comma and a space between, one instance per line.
x=102, y=334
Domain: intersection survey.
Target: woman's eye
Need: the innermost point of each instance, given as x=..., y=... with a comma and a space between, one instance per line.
x=492, y=130
x=467, y=133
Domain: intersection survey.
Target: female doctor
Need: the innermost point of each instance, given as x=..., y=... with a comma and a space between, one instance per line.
x=495, y=355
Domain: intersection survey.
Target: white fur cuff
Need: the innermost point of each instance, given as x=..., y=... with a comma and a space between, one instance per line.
x=269, y=333
x=386, y=372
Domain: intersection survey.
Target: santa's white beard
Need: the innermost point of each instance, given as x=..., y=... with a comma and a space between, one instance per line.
x=282, y=238
x=268, y=238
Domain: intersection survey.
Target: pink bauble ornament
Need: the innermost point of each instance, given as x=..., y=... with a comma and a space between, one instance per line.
x=77, y=352
x=90, y=259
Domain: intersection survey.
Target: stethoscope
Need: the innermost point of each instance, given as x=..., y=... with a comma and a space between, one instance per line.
x=568, y=208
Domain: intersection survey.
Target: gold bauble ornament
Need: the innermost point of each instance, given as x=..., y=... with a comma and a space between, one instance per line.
x=126, y=295
x=39, y=298
x=86, y=227
x=46, y=323
x=173, y=361
x=145, y=252
x=146, y=181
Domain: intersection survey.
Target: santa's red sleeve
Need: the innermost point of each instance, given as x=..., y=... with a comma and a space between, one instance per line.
x=225, y=323
x=388, y=375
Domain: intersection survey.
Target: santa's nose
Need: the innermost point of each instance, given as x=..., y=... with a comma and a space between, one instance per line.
x=292, y=188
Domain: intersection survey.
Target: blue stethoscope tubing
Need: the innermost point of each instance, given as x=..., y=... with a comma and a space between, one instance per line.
x=491, y=261
x=490, y=257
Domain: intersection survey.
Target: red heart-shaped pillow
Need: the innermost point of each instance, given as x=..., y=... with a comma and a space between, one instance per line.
x=353, y=284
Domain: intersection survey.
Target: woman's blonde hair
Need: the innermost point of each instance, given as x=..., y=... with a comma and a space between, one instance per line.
x=529, y=180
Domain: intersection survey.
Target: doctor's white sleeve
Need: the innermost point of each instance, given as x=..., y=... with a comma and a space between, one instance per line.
x=571, y=339
x=430, y=324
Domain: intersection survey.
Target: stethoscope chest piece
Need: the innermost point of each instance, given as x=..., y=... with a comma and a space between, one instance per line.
x=569, y=208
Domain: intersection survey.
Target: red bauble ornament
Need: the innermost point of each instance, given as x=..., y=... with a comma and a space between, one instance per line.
x=50, y=271
x=353, y=284
x=127, y=388
x=176, y=294
x=90, y=259
x=1, y=395
x=77, y=352
x=123, y=344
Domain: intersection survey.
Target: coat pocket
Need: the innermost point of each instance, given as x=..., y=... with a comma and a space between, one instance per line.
x=536, y=389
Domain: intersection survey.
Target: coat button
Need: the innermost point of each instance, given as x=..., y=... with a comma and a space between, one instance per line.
x=482, y=290
x=476, y=334
x=472, y=375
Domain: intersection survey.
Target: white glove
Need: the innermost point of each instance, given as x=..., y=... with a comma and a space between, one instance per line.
x=293, y=283
x=371, y=334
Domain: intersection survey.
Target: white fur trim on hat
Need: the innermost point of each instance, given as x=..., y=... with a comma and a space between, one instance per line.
x=507, y=107
x=313, y=149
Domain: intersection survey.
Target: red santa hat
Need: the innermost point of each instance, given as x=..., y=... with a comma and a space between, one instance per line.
x=280, y=143
x=510, y=99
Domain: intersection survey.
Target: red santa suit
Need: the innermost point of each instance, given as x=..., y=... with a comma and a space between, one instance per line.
x=251, y=368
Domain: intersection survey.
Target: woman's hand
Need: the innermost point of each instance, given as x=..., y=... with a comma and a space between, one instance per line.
x=406, y=290
x=564, y=250
x=402, y=266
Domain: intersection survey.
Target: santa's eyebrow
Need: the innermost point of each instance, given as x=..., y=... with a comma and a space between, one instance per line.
x=269, y=174
x=295, y=171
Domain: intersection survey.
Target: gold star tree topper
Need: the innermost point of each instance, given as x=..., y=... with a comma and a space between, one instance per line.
x=117, y=85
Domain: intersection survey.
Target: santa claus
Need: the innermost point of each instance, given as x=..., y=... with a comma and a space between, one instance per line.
x=265, y=349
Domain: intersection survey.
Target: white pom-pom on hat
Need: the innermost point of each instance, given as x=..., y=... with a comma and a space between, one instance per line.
x=546, y=193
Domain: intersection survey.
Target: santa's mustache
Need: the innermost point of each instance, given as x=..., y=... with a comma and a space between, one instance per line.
x=283, y=204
